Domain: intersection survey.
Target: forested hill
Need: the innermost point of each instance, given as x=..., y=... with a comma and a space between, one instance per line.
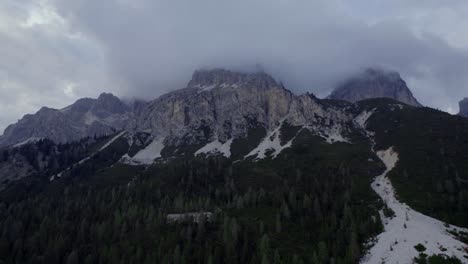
x=311, y=204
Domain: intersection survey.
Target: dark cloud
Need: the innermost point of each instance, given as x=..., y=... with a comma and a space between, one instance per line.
x=310, y=45
x=147, y=47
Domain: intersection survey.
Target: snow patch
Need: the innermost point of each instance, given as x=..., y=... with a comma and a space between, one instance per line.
x=408, y=227
x=271, y=142
x=216, y=147
x=189, y=217
x=335, y=136
x=147, y=155
x=112, y=140
x=362, y=118
x=204, y=88
x=331, y=135
x=29, y=140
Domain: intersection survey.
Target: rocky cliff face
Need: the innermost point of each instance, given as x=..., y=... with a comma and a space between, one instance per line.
x=464, y=107
x=375, y=83
x=86, y=117
x=220, y=104
x=215, y=105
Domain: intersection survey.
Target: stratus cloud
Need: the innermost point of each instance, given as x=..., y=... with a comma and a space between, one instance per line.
x=307, y=44
x=147, y=47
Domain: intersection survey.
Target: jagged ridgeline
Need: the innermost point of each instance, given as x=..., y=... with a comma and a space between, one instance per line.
x=232, y=169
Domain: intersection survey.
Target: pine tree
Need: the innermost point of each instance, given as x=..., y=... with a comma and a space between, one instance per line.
x=73, y=258
x=278, y=225
x=322, y=252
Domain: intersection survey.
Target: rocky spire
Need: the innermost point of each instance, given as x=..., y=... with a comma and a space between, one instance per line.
x=464, y=107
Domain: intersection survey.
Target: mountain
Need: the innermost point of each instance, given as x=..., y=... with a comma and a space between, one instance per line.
x=375, y=83
x=464, y=107
x=86, y=117
x=236, y=168
x=223, y=105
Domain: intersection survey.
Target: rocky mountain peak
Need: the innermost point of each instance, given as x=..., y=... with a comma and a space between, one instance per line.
x=86, y=117
x=375, y=83
x=219, y=77
x=107, y=97
x=464, y=107
x=108, y=102
x=81, y=105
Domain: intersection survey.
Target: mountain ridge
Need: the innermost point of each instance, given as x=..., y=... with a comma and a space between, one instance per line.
x=220, y=98
x=85, y=117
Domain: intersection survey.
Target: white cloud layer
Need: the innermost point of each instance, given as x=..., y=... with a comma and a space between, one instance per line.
x=55, y=51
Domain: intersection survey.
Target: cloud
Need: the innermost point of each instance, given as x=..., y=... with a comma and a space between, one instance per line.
x=310, y=45
x=145, y=48
x=41, y=56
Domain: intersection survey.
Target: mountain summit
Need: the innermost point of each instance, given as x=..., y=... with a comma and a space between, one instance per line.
x=224, y=105
x=221, y=77
x=375, y=83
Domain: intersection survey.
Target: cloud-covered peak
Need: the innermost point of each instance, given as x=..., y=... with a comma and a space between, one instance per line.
x=375, y=83
x=216, y=77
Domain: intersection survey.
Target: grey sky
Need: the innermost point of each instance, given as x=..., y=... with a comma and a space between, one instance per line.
x=55, y=51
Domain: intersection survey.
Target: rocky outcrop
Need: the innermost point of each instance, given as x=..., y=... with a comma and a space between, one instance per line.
x=220, y=104
x=86, y=117
x=375, y=83
x=464, y=107
x=216, y=105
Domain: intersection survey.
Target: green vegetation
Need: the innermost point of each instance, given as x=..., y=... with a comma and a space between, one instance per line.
x=432, y=173
x=313, y=204
x=420, y=247
x=436, y=259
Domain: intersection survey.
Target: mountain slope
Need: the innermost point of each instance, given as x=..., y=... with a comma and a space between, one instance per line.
x=375, y=83
x=305, y=205
x=432, y=174
x=85, y=118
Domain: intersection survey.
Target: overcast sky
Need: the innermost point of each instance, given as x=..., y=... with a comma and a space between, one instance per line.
x=55, y=51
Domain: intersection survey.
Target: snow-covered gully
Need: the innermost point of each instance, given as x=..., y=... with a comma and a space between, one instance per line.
x=408, y=228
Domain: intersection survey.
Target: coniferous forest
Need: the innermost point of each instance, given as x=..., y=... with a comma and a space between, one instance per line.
x=310, y=206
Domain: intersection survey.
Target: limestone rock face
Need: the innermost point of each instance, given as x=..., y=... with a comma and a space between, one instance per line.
x=464, y=107
x=215, y=105
x=86, y=117
x=375, y=83
x=225, y=104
